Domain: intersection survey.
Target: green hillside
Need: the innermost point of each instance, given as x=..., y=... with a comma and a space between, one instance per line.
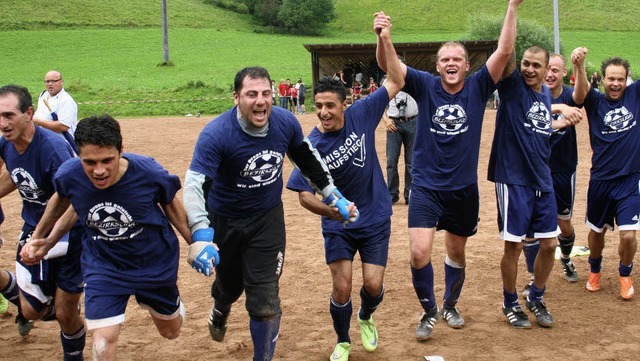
x=109, y=52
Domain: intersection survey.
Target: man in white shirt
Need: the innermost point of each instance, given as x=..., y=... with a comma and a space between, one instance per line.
x=57, y=111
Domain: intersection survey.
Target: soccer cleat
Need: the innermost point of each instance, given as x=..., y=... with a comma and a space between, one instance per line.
x=341, y=352
x=427, y=321
x=369, y=334
x=570, y=273
x=593, y=283
x=526, y=290
x=217, y=325
x=539, y=309
x=452, y=315
x=516, y=317
x=4, y=304
x=626, y=287
x=24, y=325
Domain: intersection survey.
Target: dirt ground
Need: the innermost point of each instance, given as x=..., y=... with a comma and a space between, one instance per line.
x=588, y=326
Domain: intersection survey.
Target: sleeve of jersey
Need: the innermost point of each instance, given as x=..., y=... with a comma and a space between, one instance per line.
x=195, y=201
x=307, y=159
x=168, y=184
x=298, y=183
x=415, y=82
x=486, y=82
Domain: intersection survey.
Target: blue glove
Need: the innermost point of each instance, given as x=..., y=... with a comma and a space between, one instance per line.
x=203, y=256
x=336, y=199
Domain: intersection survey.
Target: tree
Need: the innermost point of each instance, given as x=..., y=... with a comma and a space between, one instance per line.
x=306, y=16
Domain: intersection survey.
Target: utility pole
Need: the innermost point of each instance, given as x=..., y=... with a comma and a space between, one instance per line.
x=165, y=33
x=556, y=28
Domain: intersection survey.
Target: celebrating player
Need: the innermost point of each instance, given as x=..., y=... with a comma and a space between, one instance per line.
x=126, y=204
x=234, y=185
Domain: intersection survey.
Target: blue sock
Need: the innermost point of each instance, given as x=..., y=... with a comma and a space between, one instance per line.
x=10, y=292
x=625, y=271
x=73, y=345
x=535, y=294
x=454, y=279
x=341, y=316
x=596, y=264
x=423, y=285
x=368, y=304
x=264, y=334
x=510, y=299
x=530, y=250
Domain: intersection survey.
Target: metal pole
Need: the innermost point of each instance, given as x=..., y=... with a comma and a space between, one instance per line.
x=556, y=28
x=165, y=33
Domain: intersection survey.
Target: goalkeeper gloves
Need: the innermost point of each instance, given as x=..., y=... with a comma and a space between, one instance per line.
x=203, y=256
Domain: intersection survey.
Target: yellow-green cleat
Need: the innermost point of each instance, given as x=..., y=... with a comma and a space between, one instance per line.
x=369, y=334
x=341, y=352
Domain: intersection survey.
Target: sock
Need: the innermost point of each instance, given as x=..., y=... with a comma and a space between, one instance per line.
x=535, y=294
x=530, y=250
x=50, y=313
x=264, y=334
x=625, y=271
x=73, y=345
x=423, y=285
x=368, y=304
x=596, y=264
x=10, y=292
x=566, y=244
x=341, y=316
x=454, y=276
x=510, y=299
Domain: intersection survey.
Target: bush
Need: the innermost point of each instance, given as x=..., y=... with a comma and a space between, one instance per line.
x=484, y=27
x=307, y=17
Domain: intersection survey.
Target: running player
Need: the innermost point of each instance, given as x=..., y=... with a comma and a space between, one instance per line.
x=444, y=193
x=234, y=185
x=52, y=288
x=345, y=138
x=613, y=193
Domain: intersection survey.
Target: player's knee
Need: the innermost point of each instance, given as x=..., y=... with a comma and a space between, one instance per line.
x=263, y=302
x=100, y=348
x=627, y=237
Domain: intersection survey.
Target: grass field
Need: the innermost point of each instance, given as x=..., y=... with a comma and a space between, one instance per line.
x=114, y=58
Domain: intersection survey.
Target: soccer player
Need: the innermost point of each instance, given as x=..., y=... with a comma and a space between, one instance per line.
x=234, y=185
x=613, y=193
x=126, y=204
x=345, y=138
x=50, y=289
x=563, y=163
x=444, y=193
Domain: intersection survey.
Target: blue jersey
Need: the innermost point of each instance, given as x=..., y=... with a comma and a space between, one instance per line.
x=447, y=140
x=520, y=150
x=614, y=133
x=246, y=171
x=32, y=171
x=564, y=146
x=129, y=240
x=353, y=161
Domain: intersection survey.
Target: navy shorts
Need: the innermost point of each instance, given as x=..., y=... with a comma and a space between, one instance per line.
x=617, y=199
x=39, y=282
x=564, y=187
x=525, y=212
x=454, y=211
x=105, y=303
x=371, y=242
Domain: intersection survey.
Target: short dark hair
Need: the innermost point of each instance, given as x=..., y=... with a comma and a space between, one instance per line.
x=616, y=60
x=253, y=72
x=539, y=49
x=24, y=97
x=100, y=130
x=329, y=84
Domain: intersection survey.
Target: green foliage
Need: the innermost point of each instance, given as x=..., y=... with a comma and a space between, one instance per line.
x=483, y=27
x=306, y=16
x=266, y=11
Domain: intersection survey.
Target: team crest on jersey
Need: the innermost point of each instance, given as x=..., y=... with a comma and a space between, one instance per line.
x=618, y=119
x=264, y=167
x=112, y=220
x=539, y=116
x=450, y=118
x=27, y=186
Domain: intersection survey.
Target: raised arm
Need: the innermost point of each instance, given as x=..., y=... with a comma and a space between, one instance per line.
x=502, y=62
x=395, y=69
x=380, y=23
x=581, y=88
x=178, y=217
